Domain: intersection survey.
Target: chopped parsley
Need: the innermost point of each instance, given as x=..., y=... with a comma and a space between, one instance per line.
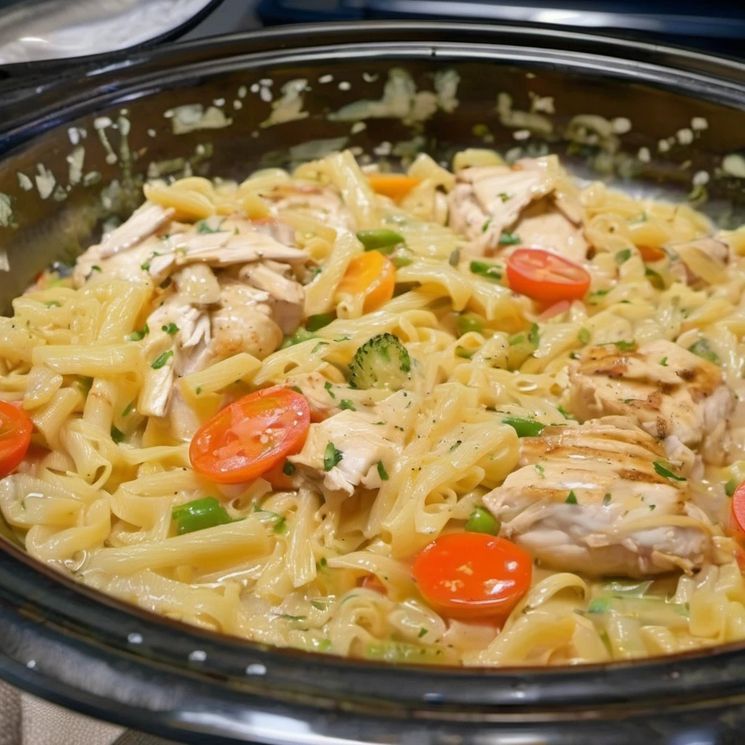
x=328, y=386
x=382, y=472
x=623, y=256
x=583, y=336
x=484, y=269
x=318, y=321
x=139, y=335
x=662, y=470
x=534, y=335
x=504, y=196
x=509, y=239
x=663, y=361
x=456, y=444
x=486, y=225
x=203, y=228
x=162, y=360
x=345, y=403
x=564, y=412
x=280, y=524
x=288, y=469
x=606, y=500
x=116, y=434
x=730, y=487
x=625, y=346
x=541, y=470
x=129, y=408
x=572, y=498
x=331, y=457
x=96, y=268
x=422, y=632
x=170, y=329
x=702, y=349
x=318, y=346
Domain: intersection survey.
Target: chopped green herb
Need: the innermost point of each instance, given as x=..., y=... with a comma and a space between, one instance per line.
x=456, y=444
x=486, y=225
x=318, y=321
x=162, y=360
x=422, y=632
x=564, y=412
x=524, y=427
x=663, y=361
x=482, y=521
x=139, y=335
x=170, y=329
x=509, y=239
x=318, y=346
x=606, y=500
x=323, y=563
x=116, y=434
x=662, y=470
x=382, y=472
x=467, y=322
x=199, y=389
x=199, y=514
x=583, y=336
x=96, y=268
x=572, y=498
x=483, y=269
x=288, y=469
x=202, y=227
x=345, y=403
x=623, y=256
x=702, y=349
x=382, y=240
x=599, y=605
x=625, y=346
x=504, y=196
x=129, y=408
x=598, y=294
x=731, y=486
x=324, y=645
x=534, y=335
x=342, y=338
x=541, y=470
x=332, y=457
x=280, y=524
x=328, y=387
x=655, y=279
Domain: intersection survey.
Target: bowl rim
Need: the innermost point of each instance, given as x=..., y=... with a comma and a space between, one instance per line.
x=236, y=676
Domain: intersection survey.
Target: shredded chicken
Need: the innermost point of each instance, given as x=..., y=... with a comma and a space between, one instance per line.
x=321, y=203
x=364, y=438
x=672, y=393
x=286, y=296
x=700, y=262
x=589, y=498
x=488, y=200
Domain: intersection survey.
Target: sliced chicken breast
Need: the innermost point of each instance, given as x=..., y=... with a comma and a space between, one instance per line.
x=590, y=499
x=672, y=393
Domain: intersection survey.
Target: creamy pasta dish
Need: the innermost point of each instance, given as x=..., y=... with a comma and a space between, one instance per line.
x=482, y=415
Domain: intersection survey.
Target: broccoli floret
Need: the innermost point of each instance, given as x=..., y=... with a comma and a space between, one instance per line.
x=381, y=362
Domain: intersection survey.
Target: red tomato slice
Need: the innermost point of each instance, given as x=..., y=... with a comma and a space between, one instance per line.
x=738, y=512
x=15, y=436
x=545, y=276
x=473, y=575
x=251, y=435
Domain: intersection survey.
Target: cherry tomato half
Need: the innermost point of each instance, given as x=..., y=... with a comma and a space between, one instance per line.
x=545, y=276
x=473, y=575
x=15, y=436
x=251, y=435
x=738, y=512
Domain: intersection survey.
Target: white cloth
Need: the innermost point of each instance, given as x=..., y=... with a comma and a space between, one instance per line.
x=28, y=720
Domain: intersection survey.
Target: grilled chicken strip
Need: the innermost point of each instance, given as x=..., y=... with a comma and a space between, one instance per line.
x=590, y=498
x=672, y=393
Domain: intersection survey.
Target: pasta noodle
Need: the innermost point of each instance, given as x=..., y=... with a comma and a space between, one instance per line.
x=216, y=290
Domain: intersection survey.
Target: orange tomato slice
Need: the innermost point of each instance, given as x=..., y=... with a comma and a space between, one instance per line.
x=370, y=274
x=393, y=185
x=251, y=435
x=15, y=436
x=473, y=575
